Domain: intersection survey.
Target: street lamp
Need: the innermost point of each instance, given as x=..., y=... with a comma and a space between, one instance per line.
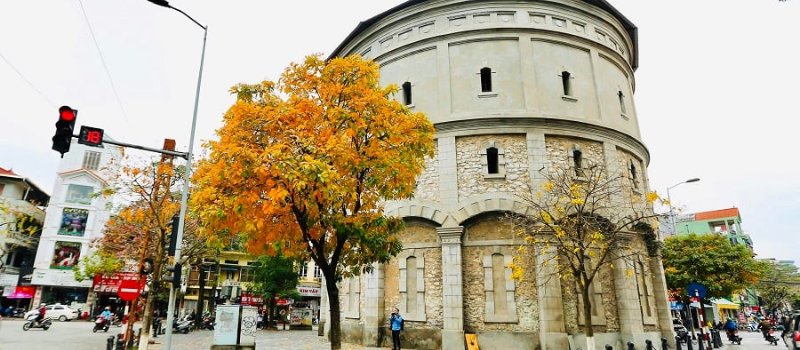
x=185, y=194
x=669, y=200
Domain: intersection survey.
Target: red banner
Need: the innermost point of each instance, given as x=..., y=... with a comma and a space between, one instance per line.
x=110, y=283
x=250, y=299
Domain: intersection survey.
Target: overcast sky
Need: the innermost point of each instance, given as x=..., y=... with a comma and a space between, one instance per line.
x=716, y=88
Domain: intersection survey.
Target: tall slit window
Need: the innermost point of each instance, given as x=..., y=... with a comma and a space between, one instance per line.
x=407, y=93
x=577, y=162
x=486, y=79
x=565, y=83
x=634, y=176
x=492, y=160
x=621, y=97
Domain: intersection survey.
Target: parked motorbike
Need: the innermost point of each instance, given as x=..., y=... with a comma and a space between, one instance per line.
x=101, y=323
x=184, y=324
x=45, y=323
x=208, y=323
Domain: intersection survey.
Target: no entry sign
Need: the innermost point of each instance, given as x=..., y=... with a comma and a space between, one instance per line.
x=129, y=290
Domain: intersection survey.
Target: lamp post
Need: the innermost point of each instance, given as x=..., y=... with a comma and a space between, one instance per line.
x=669, y=200
x=185, y=193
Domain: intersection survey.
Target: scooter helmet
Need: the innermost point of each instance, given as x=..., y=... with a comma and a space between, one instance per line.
x=42, y=305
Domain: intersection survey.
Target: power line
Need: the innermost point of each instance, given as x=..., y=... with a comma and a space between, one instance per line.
x=28, y=81
x=103, y=60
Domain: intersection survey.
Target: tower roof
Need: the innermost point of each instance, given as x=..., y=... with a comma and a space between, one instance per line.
x=603, y=4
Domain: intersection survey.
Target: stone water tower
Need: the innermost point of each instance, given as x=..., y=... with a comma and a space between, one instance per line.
x=512, y=86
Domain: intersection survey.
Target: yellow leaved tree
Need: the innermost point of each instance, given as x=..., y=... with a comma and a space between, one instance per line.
x=308, y=161
x=586, y=220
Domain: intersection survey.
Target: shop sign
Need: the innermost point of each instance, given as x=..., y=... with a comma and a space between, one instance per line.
x=22, y=292
x=250, y=299
x=8, y=279
x=309, y=291
x=110, y=283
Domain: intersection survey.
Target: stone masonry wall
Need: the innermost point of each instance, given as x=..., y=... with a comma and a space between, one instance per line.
x=495, y=228
x=471, y=168
x=428, y=182
x=559, y=151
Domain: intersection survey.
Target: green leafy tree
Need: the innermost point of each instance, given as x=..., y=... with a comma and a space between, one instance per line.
x=779, y=286
x=711, y=260
x=275, y=276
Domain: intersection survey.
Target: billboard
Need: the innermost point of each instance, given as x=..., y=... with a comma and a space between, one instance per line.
x=66, y=255
x=73, y=222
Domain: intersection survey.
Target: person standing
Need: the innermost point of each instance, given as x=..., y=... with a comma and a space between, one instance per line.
x=396, y=325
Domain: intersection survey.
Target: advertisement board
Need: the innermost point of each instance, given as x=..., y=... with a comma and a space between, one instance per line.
x=249, y=322
x=227, y=325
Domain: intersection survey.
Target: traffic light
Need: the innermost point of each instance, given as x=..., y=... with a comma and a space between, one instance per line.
x=173, y=237
x=64, y=127
x=174, y=274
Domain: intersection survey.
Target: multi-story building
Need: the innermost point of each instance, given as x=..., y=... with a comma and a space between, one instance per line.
x=21, y=216
x=725, y=222
x=514, y=89
x=74, y=217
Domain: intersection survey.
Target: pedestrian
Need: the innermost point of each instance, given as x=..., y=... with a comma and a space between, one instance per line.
x=396, y=325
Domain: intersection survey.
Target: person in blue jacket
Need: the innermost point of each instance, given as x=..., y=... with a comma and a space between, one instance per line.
x=396, y=325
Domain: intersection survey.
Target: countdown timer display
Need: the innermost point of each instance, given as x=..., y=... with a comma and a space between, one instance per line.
x=91, y=136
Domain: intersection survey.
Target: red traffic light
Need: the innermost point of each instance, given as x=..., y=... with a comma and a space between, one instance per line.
x=66, y=114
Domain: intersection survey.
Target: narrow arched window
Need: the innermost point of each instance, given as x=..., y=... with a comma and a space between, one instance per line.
x=486, y=79
x=565, y=83
x=577, y=162
x=634, y=177
x=492, y=160
x=407, y=93
x=621, y=97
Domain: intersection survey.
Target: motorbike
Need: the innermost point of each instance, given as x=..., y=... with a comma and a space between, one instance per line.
x=116, y=320
x=208, y=323
x=184, y=324
x=733, y=337
x=770, y=337
x=45, y=323
x=101, y=323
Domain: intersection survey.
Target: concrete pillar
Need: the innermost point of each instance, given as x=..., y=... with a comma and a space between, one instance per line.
x=552, y=333
x=452, y=288
x=628, y=304
x=373, y=305
x=662, y=302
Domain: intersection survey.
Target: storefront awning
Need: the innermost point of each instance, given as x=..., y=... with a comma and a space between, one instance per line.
x=723, y=303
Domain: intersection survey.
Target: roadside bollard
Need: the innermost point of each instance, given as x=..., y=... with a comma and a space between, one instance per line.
x=630, y=346
x=648, y=345
x=701, y=342
x=689, y=345
x=120, y=345
x=678, y=343
x=609, y=347
x=110, y=343
x=664, y=345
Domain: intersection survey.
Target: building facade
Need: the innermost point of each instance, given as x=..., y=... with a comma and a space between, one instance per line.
x=74, y=217
x=513, y=88
x=725, y=222
x=21, y=216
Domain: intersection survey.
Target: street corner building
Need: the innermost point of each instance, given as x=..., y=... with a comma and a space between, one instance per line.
x=512, y=87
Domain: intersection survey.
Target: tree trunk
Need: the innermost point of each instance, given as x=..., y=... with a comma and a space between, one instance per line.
x=146, y=320
x=333, y=299
x=270, y=311
x=587, y=316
